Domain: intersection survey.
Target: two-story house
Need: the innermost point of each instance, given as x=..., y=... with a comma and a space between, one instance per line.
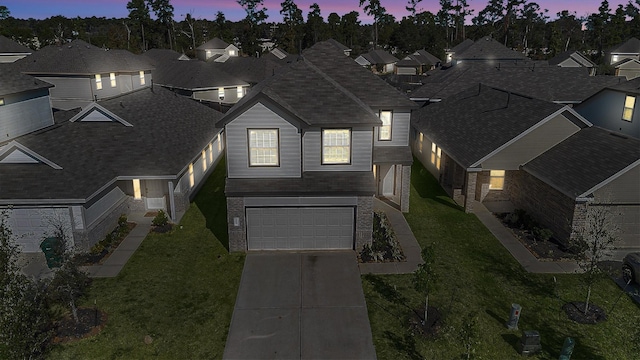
x=304, y=156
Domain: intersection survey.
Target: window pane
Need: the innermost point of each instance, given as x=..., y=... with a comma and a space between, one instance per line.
x=629, y=101
x=385, y=129
x=263, y=147
x=627, y=114
x=496, y=182
x=336, y=146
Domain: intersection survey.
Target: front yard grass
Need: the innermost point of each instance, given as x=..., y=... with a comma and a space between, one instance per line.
x=479, y=277
x=179, y=288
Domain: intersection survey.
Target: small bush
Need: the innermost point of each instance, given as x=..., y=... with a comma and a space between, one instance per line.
x=543, y=234
x=384, y=246
x=161, y=219
x=122, y=221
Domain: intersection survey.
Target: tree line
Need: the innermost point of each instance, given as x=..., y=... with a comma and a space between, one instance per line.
x=519, y=24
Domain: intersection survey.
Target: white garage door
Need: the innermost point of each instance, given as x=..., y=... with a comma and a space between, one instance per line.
x=31, y=226
x=305, y=228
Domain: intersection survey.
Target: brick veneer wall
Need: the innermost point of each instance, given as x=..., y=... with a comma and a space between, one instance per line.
x=364, y=221
x=406, y=188
x=237, y=234
x=548, y=206
x=470, y=190
x=85, y=239
x=484, y=194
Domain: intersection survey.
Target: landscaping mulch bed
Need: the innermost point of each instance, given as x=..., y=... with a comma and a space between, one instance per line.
x=97, y=259
x=575, y=312
x=91, y=322
x=431, y=327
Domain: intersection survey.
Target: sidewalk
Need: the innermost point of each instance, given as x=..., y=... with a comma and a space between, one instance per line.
x=116, y=261
x=407, y=241
x=519, y=251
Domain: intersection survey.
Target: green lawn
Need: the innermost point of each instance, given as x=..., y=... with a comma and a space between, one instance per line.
x=478, y=276
x=180, y=288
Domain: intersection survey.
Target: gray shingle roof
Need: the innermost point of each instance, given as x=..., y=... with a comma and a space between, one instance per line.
x=253, y=70
x=473, y=123
x=368, y=87
x=487, y=48
x=81, y=58
x=631, y=86
x=584, y=160
x=338, y=45
x=168, y=132
x=573, y=54
x=392, y=154
x=311, y=183
x=631, y=46
x=311, y=96
x=550, y=83
x=376, y=57
x=11, y=47
x=426, y=57
x=462, y=46
x=12, y=82
x=214, y=43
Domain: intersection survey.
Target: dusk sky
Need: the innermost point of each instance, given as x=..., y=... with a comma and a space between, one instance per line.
x=40, y=9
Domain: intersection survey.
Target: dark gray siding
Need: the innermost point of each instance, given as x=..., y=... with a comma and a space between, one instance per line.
x=605, y=110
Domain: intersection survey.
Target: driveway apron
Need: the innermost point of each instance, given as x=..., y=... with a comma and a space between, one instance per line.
x=300, y=305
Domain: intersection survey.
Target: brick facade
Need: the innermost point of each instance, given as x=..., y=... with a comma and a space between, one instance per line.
x=470, y=190
x=484, y=194
x=364, y=221
x=85, y=239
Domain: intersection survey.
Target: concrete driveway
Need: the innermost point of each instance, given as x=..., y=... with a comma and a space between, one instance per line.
x=300, y=305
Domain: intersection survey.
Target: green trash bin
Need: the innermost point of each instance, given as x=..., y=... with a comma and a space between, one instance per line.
x=52, y=249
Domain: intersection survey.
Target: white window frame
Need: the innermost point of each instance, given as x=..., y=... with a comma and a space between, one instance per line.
x=336, y=146
x=112, y=78
x=498, y=175
x=264, y=147
x=98, y=78
x=629, y=106
x=142, y=79
x=384, y=132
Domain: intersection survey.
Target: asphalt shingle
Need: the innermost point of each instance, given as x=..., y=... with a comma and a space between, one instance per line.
x=13, y=82
x=9, y=46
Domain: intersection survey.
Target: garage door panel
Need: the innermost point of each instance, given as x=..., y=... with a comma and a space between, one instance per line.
x=300, y=228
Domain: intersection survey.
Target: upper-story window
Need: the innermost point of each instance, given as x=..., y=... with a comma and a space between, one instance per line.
x=629, y=104
x=98, y=82
x=112, y=77
x=263, y=147
x=436, y=155
x=142, y=80
x=496, y=180
x=385, y=130
x=336, y=146
x=239, y=92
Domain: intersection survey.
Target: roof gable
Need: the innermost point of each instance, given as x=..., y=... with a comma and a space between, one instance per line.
x=96, y=113
x=16, y=153
x=13, y=82
x=215, y=43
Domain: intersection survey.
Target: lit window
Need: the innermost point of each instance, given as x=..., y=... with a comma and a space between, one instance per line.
x=436, y=155
x=112, y=77
x=136, y=189
x=232, y=53
x=496, y=181
x=142, y=81
x=221, y=93
x=192, y=179
x=263, y=147
x=98, y=82
x=219, y=143
x=629, y=104
x=204, y=160
x=1, y=101
x=420, y=142
x=433, y=153
x=336, y=146
x=614, y=59
x=239, y=92
x=210, y=152
x=385, y=129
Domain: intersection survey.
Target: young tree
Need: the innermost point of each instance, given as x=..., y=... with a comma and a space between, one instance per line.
x=255, y=16
x=425, y=278
x=595, y=240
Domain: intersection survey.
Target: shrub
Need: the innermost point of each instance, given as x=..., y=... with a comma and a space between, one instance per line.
x=543, y=234
x=161, y=219
x=384, y=245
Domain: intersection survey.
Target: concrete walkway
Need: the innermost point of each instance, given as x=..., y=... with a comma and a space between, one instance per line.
x=300, y=305
x=407, y=241
x=519, y=251
x=119, y=257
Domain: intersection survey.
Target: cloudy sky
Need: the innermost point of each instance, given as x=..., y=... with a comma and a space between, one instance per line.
x=40, y=9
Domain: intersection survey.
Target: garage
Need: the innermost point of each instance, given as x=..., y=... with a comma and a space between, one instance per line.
x=300, y=228
x=31, y=225
x=628, y=220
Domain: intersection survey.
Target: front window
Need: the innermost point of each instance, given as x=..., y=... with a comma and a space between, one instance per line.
x=98, y=82
x=142, y=80
x=1, y=101
x=629, y=104
x=496, y=181
x=263, y=147
x=385, y=129
x=336, y=146
x=436, y=155
x=232, y=53
x=204, y=160
x=112, y=77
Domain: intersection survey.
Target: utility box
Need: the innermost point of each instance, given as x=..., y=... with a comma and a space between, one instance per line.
x=567, y=349
x=512, y=324
x=530, y=343
x=51, y=247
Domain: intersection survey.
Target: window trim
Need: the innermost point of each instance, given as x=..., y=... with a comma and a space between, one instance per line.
x=631, y=108
x=322, y=161
x=390, y=125
x=277, y=164
x=502, y=177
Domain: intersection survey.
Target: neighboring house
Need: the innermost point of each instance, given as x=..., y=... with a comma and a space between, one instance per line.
x=24, y=105
x=417, y=63
x=488, y=50
x=11, y=51
x=615, y=108
x=83, y=73
x=379, y=61
x=629, y=68
x=338, y=45
x=475, y=141
x=199, y=80
x=308, y=149
x=630, y=49
x=216, y=50
x=593, y=167
x=535, y=79
x=449, y=53
x=142, y=151
x=573, y=58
